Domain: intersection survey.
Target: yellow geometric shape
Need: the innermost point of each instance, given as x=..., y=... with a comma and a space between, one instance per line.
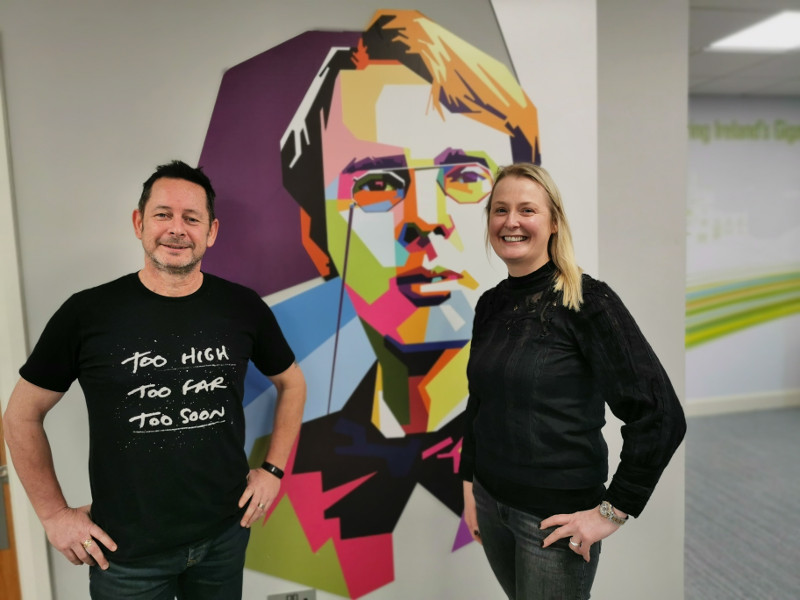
x=468, y=281
x=280, y=548
x=447, y=388
x=414, y=327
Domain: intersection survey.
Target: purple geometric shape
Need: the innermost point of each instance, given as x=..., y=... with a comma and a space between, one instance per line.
x=463, y=536
x=241, y=155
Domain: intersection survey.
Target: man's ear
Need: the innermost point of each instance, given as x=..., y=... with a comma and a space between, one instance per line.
x=212, y=233
x=317, y=255
x=137, y=223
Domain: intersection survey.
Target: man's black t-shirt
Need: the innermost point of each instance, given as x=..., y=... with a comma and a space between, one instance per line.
x=163, y=379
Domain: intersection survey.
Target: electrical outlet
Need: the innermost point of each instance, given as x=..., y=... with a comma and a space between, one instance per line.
x=299, y=595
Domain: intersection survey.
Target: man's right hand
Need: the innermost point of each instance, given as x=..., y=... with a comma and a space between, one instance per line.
x=72, y=532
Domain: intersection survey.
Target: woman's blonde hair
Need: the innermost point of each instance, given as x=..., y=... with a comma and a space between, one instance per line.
x=559, y=247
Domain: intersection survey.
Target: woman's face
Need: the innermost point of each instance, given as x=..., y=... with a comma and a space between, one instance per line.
x=417, y=187
x=520, y=224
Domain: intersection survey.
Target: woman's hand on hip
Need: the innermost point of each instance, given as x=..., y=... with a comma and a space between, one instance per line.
x=583, y=528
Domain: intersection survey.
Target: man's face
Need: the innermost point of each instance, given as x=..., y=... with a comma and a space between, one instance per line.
x=417, y=186
x=175, y=229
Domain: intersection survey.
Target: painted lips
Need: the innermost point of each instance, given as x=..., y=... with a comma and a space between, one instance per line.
x=420, y=286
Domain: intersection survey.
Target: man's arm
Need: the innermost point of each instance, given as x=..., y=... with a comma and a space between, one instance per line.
x=67, y=528
x=263, y=487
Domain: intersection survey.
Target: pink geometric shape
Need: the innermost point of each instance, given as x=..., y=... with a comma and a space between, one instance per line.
x=367, y=562
x=435, y=448
x=386, y=312
x=454, y=454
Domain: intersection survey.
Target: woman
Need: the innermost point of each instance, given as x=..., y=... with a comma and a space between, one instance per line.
x=550, y=347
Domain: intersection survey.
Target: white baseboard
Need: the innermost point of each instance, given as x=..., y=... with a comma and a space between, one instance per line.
x=717, y=405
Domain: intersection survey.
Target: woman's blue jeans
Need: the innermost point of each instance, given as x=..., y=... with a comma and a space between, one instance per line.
x=209, y=570
x=512, y=542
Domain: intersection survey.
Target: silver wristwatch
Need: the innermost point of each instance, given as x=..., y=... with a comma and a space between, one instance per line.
x=607, y=511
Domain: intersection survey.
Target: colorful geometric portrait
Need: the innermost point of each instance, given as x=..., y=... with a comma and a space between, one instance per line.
x=352, y=171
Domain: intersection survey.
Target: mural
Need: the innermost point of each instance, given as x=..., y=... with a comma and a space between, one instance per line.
x=352, y=170
x=743, y=247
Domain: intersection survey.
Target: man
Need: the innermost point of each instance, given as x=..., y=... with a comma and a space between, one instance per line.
x=390, y=158
x=161, y=356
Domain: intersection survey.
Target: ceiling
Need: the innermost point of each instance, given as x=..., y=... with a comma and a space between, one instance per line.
x=739, y=74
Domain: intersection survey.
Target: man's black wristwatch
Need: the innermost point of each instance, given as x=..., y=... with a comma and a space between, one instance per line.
x=270, y=468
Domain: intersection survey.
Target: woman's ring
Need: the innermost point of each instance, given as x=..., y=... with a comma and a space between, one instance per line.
x=574, y=544
x=86, y=543
x=261, y=505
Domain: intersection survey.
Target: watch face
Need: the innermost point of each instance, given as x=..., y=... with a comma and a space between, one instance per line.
x=607, y=511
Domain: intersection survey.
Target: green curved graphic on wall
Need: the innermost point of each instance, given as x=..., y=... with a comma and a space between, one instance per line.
x=717, y=309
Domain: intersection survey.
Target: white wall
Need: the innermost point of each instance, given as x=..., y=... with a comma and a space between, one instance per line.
x=553, y=47
x=99, y=93
x=642, y=185
x=30, y=543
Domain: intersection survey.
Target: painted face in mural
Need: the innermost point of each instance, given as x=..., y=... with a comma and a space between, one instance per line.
x=416, y=186
x=357, y=149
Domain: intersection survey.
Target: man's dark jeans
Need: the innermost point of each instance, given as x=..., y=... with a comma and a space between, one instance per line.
x=209, y=570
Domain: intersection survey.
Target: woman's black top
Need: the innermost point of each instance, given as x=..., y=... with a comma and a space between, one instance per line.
x=540, y=375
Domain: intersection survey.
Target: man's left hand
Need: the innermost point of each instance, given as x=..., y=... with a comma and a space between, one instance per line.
x=262, y=489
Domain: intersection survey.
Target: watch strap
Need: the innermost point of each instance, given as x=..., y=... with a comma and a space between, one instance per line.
x=270, y=468
x=607, y=511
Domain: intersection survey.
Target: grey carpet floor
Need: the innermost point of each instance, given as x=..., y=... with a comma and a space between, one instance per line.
x=743, y=506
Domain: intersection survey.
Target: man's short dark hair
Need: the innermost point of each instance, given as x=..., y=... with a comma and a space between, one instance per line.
x=178, y=169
